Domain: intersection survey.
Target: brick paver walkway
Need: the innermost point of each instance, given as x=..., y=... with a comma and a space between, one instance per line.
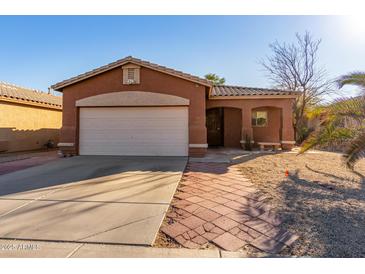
x=215, y=204
x=22, y=161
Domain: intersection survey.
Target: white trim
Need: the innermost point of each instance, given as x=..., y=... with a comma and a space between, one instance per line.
x=288, y=142
x=244, y=142
x=198, y=145
x=132, y=98
x=130, y=65
x=66, y=144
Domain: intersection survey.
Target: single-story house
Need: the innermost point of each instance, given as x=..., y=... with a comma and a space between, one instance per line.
x=28, y=118
x=134, y=107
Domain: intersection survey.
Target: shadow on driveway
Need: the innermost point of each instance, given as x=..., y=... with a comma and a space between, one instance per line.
x=80, y=168
x=104, y=199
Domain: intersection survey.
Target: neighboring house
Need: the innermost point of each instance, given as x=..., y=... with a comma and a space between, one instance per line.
x=134, y=107
x=28, y=118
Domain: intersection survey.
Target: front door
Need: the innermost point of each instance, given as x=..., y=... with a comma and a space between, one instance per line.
x=215, y=126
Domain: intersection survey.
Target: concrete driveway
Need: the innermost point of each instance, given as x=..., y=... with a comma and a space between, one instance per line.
x=93, y=199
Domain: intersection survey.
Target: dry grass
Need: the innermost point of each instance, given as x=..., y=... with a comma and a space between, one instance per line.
x=320, y=200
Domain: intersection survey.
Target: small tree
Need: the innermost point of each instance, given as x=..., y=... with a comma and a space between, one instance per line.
x=295, y=67
x=215, y=79
x=343, y=123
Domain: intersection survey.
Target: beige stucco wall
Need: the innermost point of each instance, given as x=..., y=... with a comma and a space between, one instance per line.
x=24, y=127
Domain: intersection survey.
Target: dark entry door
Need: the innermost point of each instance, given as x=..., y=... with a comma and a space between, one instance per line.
x=215, y=126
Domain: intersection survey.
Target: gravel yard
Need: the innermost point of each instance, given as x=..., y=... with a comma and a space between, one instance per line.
x=319, y=200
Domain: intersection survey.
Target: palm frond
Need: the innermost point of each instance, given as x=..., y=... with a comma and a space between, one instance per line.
x=328, y=133
x=356, y=150
x=354, y=78
x=315, y=112
x=343, y=122
x=310, y=142
x=349, y=107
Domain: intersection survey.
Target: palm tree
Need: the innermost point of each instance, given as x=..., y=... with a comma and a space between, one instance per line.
x=355, y=78
x=215, y=79
x=343, y=123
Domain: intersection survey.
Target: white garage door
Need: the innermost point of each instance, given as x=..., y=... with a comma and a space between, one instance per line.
x=143, y=131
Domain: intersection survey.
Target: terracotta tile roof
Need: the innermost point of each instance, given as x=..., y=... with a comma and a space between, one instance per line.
x=26, y=96
x=133, y=60
x=232, y=91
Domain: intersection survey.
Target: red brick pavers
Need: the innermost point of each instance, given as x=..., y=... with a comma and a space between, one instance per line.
x=215, y=204
x=20, y=162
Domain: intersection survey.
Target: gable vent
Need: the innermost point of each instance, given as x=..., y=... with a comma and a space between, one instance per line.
x=131, y=74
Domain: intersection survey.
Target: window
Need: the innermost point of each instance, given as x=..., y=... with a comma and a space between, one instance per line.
x=259, y=118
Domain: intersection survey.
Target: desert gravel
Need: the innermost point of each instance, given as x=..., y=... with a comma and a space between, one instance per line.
x=320, y=200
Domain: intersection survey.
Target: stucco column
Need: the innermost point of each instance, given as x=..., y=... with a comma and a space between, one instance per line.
x=68, y=132
x=287, y=133
x=246, y=125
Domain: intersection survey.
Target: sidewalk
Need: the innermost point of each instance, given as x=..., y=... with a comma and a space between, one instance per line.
x=39, y=249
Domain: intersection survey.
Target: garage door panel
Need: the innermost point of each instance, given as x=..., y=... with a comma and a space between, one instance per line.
x=125, y=132
x=155, y=131
x=138, y=140
x=145, y=150
x=154, y=139
x=133, y=112
x=136, y=120
x=126, y=125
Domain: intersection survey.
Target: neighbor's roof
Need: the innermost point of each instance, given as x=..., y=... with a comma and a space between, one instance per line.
x=29, y=96
x=133, y=60
x=237, y=91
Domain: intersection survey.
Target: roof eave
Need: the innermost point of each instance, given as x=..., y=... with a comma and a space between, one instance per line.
x=246, y=97
x=30, y=103
x=59, y=86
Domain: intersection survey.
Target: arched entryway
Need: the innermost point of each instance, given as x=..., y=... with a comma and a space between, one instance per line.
x=224, y=126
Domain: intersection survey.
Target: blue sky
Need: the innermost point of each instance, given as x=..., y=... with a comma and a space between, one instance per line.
x=37, y=51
